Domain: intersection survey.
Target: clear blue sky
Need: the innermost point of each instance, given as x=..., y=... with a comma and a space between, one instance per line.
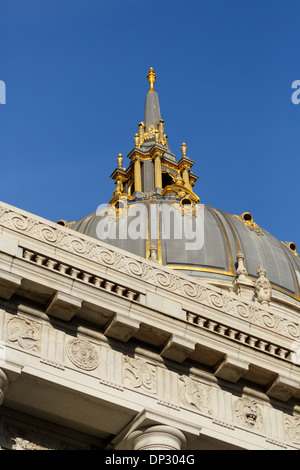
x=75, y=74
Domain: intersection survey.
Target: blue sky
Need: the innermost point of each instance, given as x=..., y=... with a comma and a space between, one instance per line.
x=75, y=74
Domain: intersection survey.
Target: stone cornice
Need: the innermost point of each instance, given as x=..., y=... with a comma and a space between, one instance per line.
x=41, y=230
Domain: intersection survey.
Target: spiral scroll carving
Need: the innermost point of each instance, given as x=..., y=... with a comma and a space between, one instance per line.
x=242, y=310
x=191, y=290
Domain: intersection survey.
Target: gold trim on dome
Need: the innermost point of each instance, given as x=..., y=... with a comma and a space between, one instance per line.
x=181, y=191
x=122, y=196
x=194, y=268
x=64, y=223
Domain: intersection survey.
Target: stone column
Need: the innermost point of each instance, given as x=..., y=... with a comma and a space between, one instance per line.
x=157, y=437
x=3, y=385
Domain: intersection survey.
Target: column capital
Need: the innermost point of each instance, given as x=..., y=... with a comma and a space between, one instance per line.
x=157, y=437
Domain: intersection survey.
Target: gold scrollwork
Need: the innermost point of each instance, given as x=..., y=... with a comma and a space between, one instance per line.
x=247, y=219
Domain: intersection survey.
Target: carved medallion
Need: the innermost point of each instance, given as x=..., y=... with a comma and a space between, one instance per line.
x=82, y=354
x=23, y=332
x=248, y=413
x=195, y=394
x=139, y=374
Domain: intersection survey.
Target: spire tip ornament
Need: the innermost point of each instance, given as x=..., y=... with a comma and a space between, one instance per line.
x=183, y=149
x=120, y=160
x=151, y=79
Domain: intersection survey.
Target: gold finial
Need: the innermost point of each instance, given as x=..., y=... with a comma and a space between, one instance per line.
x=183, y=149
x=151, y=78
x=120, y=160
x=178, y=179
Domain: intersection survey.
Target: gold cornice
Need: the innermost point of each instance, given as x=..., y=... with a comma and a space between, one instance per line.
x=184, y=163
x=122, y=196
x=181, y=191
x=155, y=151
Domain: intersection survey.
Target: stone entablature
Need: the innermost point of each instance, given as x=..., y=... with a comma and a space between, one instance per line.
x=142, y=377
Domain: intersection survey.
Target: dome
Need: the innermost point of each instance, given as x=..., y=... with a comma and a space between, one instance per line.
x=213, y=257
x=155, y=214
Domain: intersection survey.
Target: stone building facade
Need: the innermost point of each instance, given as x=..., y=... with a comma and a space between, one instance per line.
x=143, y=343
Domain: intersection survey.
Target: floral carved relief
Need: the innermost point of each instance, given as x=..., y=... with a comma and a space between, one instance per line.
x=82, y=354
x=23, y=332
x=195, y=394
x=292, y=428
x=139, y=374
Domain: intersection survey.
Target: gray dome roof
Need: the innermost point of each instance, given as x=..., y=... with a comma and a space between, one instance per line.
x=154, y=213
x=222, y=236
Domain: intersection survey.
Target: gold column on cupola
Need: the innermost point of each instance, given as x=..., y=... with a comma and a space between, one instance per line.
x=137, y=174
x=157, y=171
x=185, y=165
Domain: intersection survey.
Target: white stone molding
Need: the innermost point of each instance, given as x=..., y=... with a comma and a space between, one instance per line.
x=3, y=385
x=42, y=231
x=241, y=271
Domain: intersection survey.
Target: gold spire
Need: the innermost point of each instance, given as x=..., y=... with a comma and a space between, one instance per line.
x=151, y=78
